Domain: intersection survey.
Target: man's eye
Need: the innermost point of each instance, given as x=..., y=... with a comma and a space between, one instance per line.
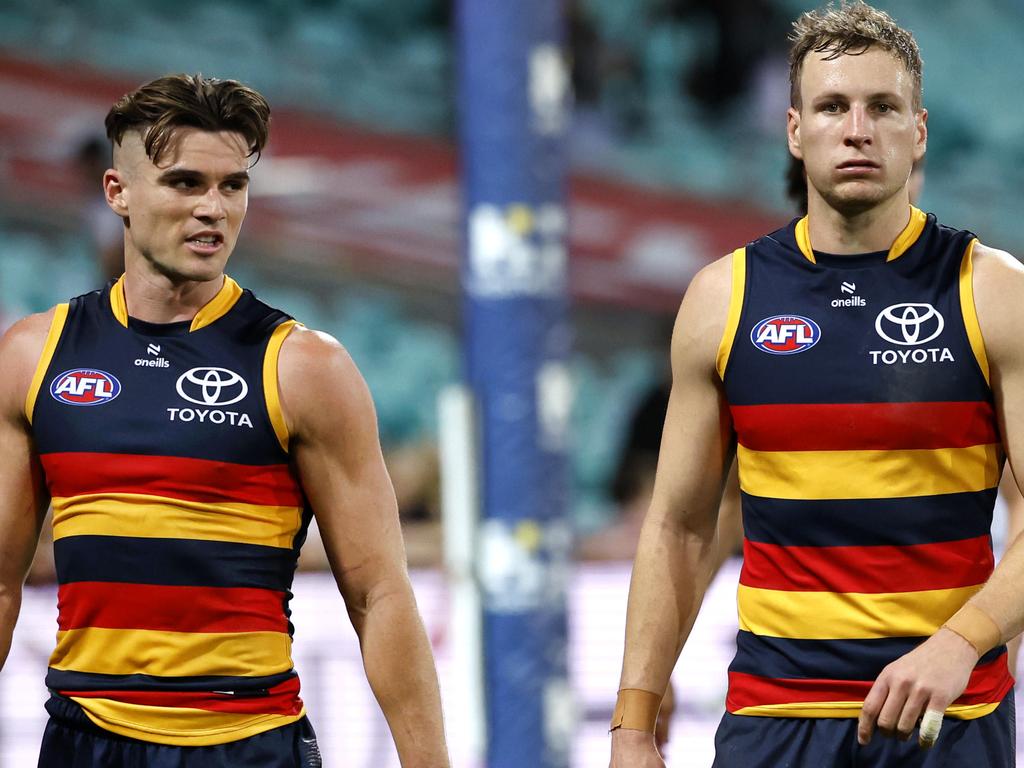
x=884, y=108
x=185, y=184
x=832, y=108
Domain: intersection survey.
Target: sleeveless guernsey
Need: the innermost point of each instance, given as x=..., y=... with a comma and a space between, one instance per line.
x=869, y=459
x=177, y=518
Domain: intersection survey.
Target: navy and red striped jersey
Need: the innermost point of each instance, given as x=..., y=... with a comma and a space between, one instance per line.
x=869, y=459
x=177, y=517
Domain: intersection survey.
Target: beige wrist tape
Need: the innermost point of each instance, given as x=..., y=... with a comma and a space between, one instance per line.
x=976, y=627
x=636, y=709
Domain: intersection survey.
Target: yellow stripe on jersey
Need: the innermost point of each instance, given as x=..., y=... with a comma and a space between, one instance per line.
x=155, y=517
x=270, y=381
x=60, y=316
x=868, y=474
x=847, y=615
x=968, y=310
x=852, y=709
x=102, y=651
x=218, y=306
x=732, y=323
x=177, y=725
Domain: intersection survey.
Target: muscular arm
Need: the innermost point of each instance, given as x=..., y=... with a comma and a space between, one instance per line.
x=336, y=450
x=935, y=673
x=1014, y=526
x=23, y=499
x=998, y=283
x=677, y=550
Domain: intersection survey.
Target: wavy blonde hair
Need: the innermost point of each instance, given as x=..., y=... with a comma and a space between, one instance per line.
x=850, y=29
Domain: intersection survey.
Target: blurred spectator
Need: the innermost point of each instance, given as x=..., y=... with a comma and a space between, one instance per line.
x=415, y=474
x=105, y=229
x=746, y=33
x=633, y=485
x=585, y=54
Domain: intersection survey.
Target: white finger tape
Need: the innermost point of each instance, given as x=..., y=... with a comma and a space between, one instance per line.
x=930, y=725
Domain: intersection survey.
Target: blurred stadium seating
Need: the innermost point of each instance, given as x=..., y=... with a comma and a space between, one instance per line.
x=356, y=231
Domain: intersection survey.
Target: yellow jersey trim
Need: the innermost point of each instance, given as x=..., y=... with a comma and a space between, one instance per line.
x=802, y=615
x=218, y=306
x=909, y=234
x=271, y=390
x=156, y=517
x=969, y=311
x=872, y=474
x=903, y=241
x=230, y=292
x=732, y=322
x=835, y=709
x=60, y=316
x=803, y=240
x=176, y=726
x=118, y=303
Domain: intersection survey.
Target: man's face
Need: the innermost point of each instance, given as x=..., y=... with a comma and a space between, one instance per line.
x=184, y=212
x=856, y=129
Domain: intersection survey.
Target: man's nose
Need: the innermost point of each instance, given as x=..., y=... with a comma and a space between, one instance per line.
x=858, y=128
x=210, y=206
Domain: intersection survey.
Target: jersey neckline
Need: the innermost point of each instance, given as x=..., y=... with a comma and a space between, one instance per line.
x=900, y=245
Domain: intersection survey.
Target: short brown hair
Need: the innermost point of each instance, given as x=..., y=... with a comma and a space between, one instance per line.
x=852, y=28
x=173, y=101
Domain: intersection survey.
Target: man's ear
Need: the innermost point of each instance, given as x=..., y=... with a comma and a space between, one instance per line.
x=921, y=139
x=793, y=132
x=115, y=189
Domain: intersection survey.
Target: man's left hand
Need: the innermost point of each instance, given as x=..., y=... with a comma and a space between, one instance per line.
x=929, y=678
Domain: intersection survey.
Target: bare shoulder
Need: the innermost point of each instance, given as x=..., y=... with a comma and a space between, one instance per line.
x=992, y=265
x=998, y=286
x=320, y=383
x=313, y=353
x=713, y=283
x=702, y=315
x=20, y=349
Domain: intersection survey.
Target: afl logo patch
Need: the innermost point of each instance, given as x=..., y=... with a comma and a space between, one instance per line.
x=785, y=334
x=85, y=386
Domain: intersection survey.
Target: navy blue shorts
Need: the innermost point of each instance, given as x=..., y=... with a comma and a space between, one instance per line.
x=743, y=741
x=71, y=740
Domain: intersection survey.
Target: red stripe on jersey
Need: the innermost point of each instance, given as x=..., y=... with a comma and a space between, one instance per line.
x=864, y=426
x=282, y=699
x=116, y=605
x=872, y=569
x=988, y=684
x=199, y=480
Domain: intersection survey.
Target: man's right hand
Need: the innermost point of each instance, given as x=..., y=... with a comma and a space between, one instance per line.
x=634, y=749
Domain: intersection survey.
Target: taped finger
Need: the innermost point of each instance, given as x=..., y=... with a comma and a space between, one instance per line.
x=931, y=723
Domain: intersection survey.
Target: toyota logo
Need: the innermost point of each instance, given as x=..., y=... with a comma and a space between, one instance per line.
x=911, y=322
x=212, y=386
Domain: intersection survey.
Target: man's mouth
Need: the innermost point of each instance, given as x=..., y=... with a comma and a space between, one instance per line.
x=857, y=165
x=205, y=242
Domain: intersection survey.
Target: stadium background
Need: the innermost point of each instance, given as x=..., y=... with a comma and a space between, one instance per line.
x=677, y=155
